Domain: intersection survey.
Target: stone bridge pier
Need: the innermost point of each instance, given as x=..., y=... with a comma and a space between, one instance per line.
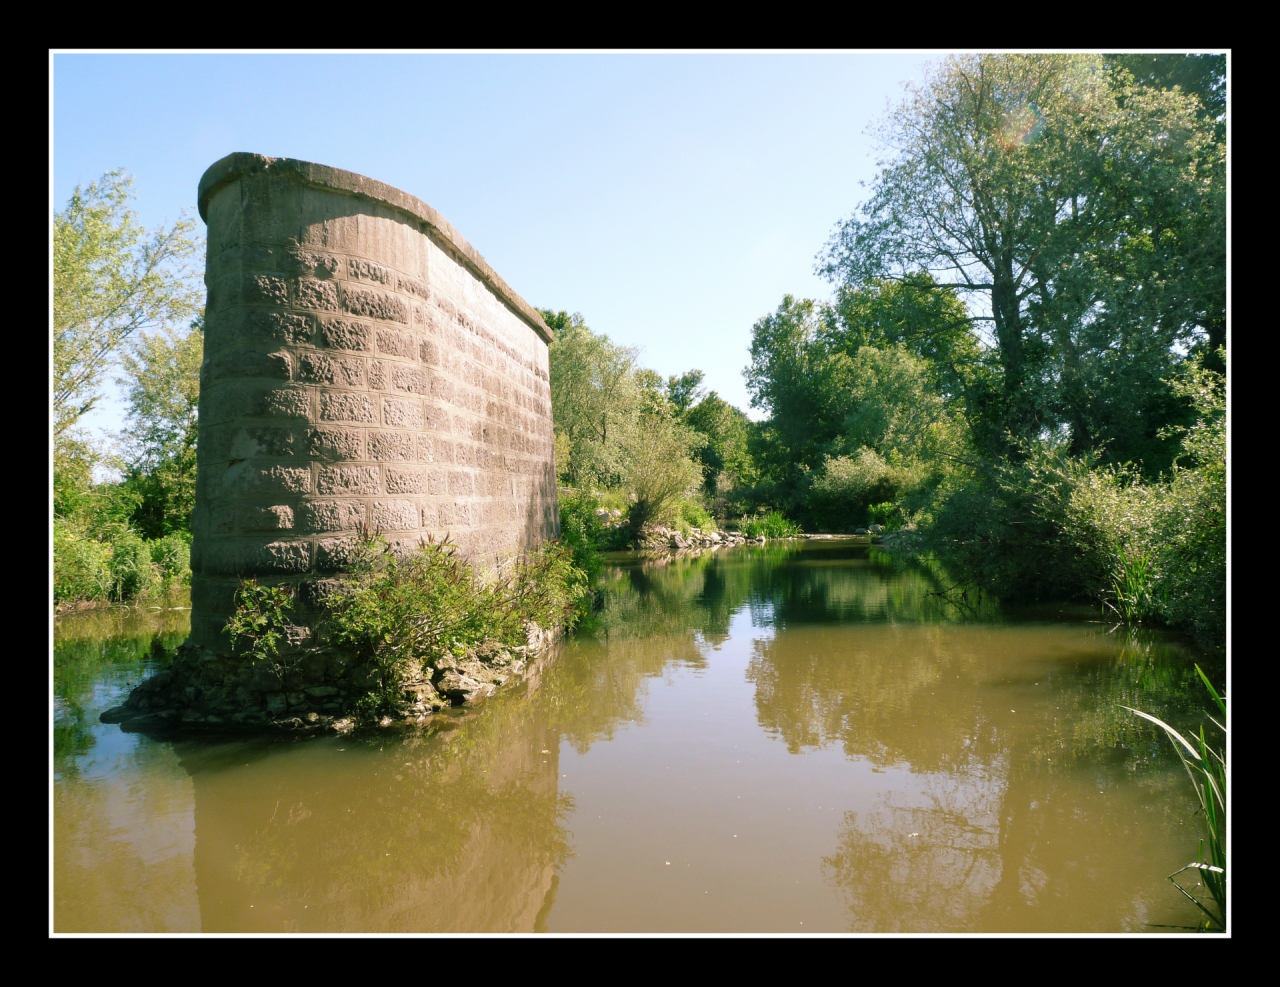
x=364, y=368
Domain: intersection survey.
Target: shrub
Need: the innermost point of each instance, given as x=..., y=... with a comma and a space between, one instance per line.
x=399, y=615
x=1052, y=525
x=133, y=574
x=81, y=565
x=581, y=529
x=771, y=525
x=694, y=514
x=172, y=556
x=842, y=490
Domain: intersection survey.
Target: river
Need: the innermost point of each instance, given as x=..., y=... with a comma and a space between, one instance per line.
x=801, y=737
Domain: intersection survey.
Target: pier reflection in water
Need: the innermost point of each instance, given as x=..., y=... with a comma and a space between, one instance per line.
x=795, y=738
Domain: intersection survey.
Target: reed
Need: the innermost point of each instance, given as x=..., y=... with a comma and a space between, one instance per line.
x=1207, y=769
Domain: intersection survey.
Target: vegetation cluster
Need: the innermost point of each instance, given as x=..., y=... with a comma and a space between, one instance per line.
x=126, y=302
x=399, y=620
x=1021, y=372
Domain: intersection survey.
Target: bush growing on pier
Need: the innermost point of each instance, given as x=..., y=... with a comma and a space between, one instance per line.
x=399, y=613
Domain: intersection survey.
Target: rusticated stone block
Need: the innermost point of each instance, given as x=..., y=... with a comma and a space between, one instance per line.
x=265, y=289
x=395, y=515
x=319, y=265
x=343, y=334
x=336, y=554
x=320, y=368
x=274, y=480
x=411, y=379
x=405, y=480
x=332, y=515
x=324, y=407
x=391, y=447
x=342, y=444
x=276, y=518
x=346, y=407
x=229, y=366
x=401, y=344
x=348, y=480
x=316, y=294
x=401, y=412
x=360, y=269
x=374, y=304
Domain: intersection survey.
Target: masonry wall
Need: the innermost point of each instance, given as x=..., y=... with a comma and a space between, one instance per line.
x=363, y=368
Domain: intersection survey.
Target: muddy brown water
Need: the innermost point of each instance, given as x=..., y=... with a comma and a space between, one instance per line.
x=795, y=738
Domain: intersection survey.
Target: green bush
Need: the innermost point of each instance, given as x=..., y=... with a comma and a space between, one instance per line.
x=172, y=556
x=1051, y=525
x=581, y=530
x=402, y=614
x=771, y=525
x=694, y=514
x=133, y=574
x=81, y=565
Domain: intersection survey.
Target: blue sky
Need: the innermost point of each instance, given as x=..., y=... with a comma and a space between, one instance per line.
x=672, y=199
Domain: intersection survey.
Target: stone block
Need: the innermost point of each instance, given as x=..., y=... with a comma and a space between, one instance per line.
x=280, y=556
x=393, y=343
x=348, y=480
x=337, y=554
x=276, y=402
x=315, y=294
x=274, y=327
x=405, y=480
x=429, y=353
x=426, y=450
x=460, y=484
x=413, y=286
x=374, y=304
x=358, y=269
x=239, y=364
x=436, y=418
x=391, y=447
x=348, y=407
x=411, y=379
x=395, y=515
x=402, y=412
x=275, y=480
x=320, y=368
x=343, y=334
x=332, y=515
x=335, y=443
x=441, y=387
x=264, y=289
x=378, y=375
x=277, y=517
x=318, y=265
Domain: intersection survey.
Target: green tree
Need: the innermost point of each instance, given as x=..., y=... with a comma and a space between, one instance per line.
x=721, y=436
x=1067, y=205
x=111, y=279
x=594, y=399
x=685, y=390
x=161, y=373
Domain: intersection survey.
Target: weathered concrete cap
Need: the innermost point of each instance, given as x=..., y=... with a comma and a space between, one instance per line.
x=237, y=165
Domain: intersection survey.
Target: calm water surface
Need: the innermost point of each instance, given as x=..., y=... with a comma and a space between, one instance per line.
x=798, y=738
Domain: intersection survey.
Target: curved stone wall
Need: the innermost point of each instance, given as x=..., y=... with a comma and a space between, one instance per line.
x=364, y=368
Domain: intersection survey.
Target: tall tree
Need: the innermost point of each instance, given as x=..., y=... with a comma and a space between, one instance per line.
x=111, y=279
x=161, y=374
x=1065, y=203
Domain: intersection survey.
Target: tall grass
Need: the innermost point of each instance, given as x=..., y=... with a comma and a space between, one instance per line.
x=771, y=525
x=1207, y=769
